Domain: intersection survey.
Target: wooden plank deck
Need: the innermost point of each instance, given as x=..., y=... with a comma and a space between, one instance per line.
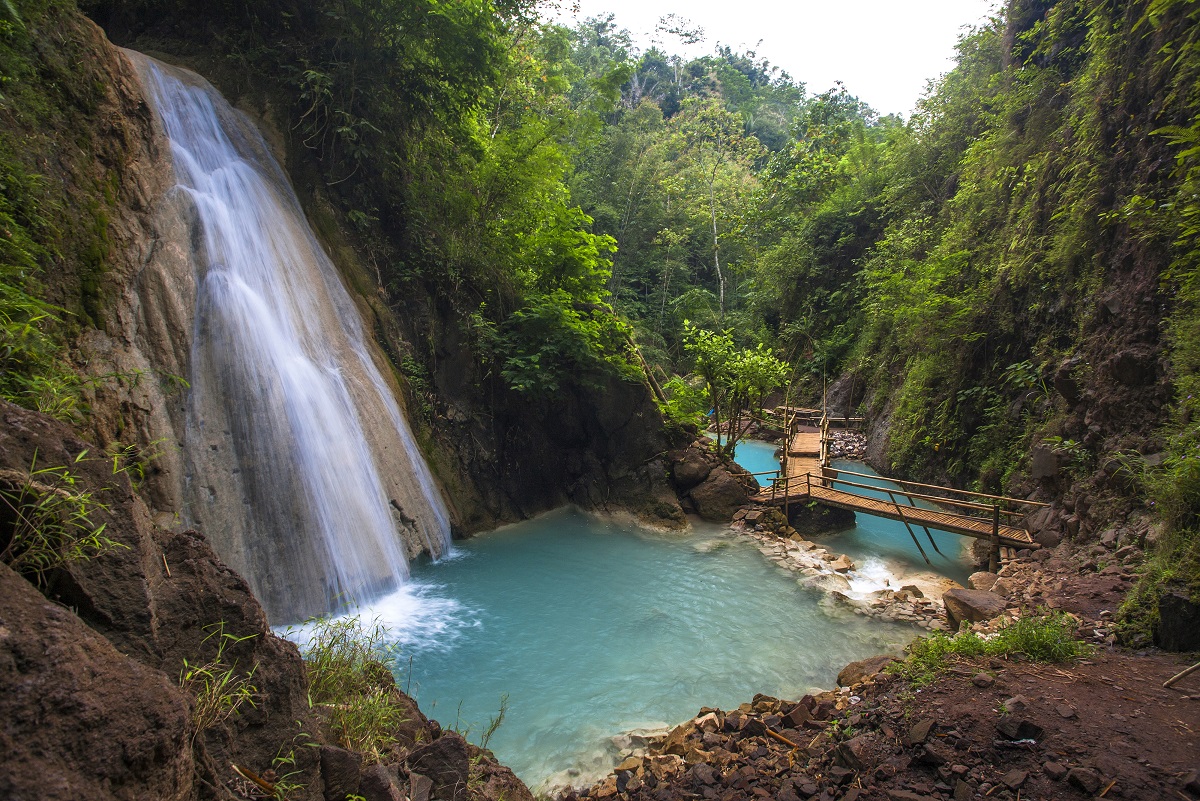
x=814, y=490
x=805, y=443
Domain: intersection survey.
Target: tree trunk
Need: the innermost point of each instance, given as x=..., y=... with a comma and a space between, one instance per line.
x=712, y=209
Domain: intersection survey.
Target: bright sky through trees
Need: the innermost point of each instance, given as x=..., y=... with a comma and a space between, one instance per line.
x=884, y=51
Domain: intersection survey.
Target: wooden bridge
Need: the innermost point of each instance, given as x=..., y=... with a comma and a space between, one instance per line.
x=806, y=476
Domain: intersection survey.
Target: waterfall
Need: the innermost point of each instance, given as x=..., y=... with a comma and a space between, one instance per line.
x=302, y=470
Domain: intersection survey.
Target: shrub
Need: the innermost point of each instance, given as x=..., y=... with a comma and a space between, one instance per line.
x=219, y=689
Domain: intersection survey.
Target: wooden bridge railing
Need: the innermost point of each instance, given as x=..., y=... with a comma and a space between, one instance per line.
x=970, y=509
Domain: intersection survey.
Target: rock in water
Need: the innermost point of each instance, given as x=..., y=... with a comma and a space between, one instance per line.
x=842, y=564
x=719, y=496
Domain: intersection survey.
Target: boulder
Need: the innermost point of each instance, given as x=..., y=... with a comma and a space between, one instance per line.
x=811, y=521
x=1133, y=367
x=719, y=496
x=1044, y=462
x=852, y=753
x=1046, y=526
x=1014, y=779
x=799, y=714
x=82, y=720
x=691, y=469
x=982, y=580
x=340, y=772
x=420, y=788
x=1085, y=779
x=971, y=606
x=1002, y=587
x=919, y=732
x=855, y=672
x=842, y=564
x=382, y=783
x=676, y=742
x=446, y=764
x=981, y=553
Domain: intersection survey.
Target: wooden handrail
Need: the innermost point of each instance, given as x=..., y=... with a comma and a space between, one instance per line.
x=961, y=504
x=948, y=489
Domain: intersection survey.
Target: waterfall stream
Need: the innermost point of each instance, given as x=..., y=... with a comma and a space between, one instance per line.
x=302, y=470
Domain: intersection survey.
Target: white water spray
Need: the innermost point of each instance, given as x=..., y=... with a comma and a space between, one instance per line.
x=303, y=471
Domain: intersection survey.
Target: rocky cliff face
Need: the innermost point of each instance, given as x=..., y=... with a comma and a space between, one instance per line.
x=90, y=670
x=500, y=456
x=90, y=667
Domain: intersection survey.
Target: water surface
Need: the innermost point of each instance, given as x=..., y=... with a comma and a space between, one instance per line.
x=883, y=548
x=756, y=456
x=593, y=628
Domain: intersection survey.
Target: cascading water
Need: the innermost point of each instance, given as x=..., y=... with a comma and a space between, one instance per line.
x=302, y=469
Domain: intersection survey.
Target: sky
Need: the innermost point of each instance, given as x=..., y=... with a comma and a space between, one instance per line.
x=884, y=51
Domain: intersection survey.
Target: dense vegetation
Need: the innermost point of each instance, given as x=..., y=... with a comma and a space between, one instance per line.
x=1010, y=270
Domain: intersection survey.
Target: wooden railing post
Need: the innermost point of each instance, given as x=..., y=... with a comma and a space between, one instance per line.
x=994, y=558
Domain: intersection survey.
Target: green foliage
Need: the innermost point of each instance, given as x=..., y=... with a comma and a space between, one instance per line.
x=738, y=380
x=495, y=723
x=219, y=688
x=552, y=341
x=686, y=403
x=350, y=679
x=46, y=518
x=287, y=771
x=1048, y=638
x=32, y=373
x=1173, y=489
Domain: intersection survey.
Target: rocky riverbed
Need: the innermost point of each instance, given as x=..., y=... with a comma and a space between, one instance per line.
x=916, y=600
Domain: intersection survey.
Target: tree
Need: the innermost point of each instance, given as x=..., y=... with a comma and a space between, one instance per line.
x=712, y=140
x=738, y=381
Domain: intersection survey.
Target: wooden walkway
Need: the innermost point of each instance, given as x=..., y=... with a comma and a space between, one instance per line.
x=804, y=454
x=822, y=489
x=807, y=476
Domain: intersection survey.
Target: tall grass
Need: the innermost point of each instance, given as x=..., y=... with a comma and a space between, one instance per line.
x=350, y=680
x=48, y=521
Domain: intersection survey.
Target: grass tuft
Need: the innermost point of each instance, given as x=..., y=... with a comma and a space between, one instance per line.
x=1045, y=638
x=350, y=680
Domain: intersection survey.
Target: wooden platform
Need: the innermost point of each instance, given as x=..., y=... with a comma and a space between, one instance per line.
x=804, y=454
x=814, y=489
x=805, y=443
